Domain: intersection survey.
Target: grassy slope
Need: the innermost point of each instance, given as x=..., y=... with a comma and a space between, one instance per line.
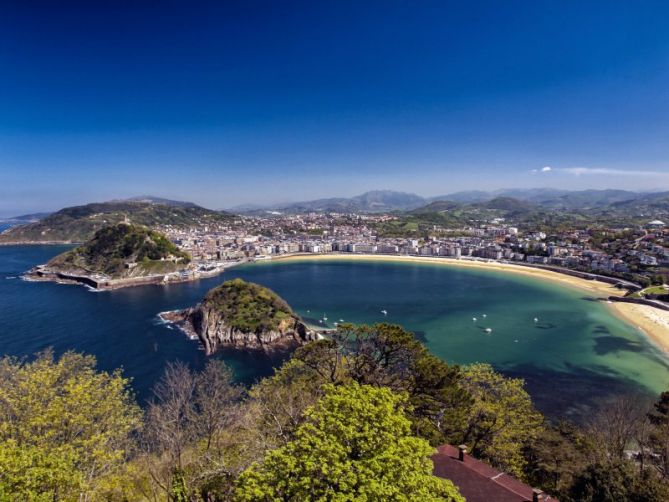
x=79, y=223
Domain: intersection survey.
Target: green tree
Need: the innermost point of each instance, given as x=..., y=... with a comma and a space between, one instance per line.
x=659, y=434
x=389, y=356
x=355, y=445
x=557, y=455
x=65, y=428
x=615, y=482
x=502, y=420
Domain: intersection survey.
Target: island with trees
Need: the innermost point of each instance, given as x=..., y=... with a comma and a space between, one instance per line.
x=243, y=315
x=118, y=256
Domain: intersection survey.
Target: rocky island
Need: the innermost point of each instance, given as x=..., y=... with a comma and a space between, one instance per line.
x=244, y=315
x=118, y=256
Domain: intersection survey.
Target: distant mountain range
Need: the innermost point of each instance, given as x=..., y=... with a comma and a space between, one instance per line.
x=380, y=201
x=79, y=223
x=25, y=218
x=377, y=201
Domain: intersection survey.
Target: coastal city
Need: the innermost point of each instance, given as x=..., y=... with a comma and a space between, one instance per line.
x=334, y=251
x=633, y=255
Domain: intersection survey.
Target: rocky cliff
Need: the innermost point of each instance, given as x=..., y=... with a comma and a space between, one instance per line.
x=242, y=315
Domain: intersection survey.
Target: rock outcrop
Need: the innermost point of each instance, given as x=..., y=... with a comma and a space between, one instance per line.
x=242, y=315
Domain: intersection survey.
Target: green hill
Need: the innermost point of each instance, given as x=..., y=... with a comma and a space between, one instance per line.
x=122, y=251
x=247, y=307
x=79, y=223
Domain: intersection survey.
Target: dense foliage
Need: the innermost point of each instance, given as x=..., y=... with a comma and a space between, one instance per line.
x=502, y=420
x=353, y=417
x=79, y=223
x=114, y=247
x=65, y=429
x=248, y=307
x=355, y=444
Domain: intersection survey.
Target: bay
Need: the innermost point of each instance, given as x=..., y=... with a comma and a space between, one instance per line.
x=576, y=353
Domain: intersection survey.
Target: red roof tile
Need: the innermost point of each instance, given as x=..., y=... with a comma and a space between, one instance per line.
x=479, y=482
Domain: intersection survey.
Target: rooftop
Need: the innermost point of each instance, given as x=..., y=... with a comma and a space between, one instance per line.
x=479, y=482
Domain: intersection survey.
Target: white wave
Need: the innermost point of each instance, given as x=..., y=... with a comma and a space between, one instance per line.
x=159, y=320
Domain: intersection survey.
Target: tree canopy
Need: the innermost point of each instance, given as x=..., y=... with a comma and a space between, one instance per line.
x=65, y=428
x=248, y=307
x=112, y=247
x=354, y=445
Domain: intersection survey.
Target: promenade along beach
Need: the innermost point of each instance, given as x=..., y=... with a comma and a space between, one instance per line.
x=653, y=322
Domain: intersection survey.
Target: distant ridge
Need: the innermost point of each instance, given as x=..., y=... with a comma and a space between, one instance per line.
x=25, y=218
x=159, y=200
x=79, y=223
x=379, y=201
x=375, y=201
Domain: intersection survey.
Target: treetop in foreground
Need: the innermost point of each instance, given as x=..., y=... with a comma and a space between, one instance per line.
x=354, y=445
x=65, y=428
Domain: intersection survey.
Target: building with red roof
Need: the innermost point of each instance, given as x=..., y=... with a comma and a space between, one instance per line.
x=479, y=482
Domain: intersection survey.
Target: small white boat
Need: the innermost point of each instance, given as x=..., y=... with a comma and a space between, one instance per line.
x=384, y=312
x=474, y=319
x=320, y=321
x=536, y=319
x=341, y=320
x=485, y=315
x=488, y=330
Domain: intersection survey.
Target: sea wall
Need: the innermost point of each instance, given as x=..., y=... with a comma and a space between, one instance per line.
x=640, y=301
x=584, y=275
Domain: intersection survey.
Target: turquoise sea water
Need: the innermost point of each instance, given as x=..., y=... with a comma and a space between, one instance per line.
x=576, y=354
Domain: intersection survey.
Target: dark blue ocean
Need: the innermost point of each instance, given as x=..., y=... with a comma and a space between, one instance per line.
x=576, y=354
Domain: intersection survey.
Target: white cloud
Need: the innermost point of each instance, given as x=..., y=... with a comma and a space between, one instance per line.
x=585, y=171
x=590, y=171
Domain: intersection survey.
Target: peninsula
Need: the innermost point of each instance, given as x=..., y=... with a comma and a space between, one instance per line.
x=244, y=315
x=118, y=256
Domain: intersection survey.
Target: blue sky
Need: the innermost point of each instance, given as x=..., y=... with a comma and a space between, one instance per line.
x=225, y=103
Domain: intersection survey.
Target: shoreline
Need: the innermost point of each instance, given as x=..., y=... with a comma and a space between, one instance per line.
x=652, y=322
x=41, y=273
x=40, y=243
x=592, y=286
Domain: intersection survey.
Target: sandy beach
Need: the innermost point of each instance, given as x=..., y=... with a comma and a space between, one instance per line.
x=651, y=321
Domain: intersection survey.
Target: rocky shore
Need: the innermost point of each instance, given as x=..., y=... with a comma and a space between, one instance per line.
x=213, y=333
x=242, y=315
x=101, y=282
